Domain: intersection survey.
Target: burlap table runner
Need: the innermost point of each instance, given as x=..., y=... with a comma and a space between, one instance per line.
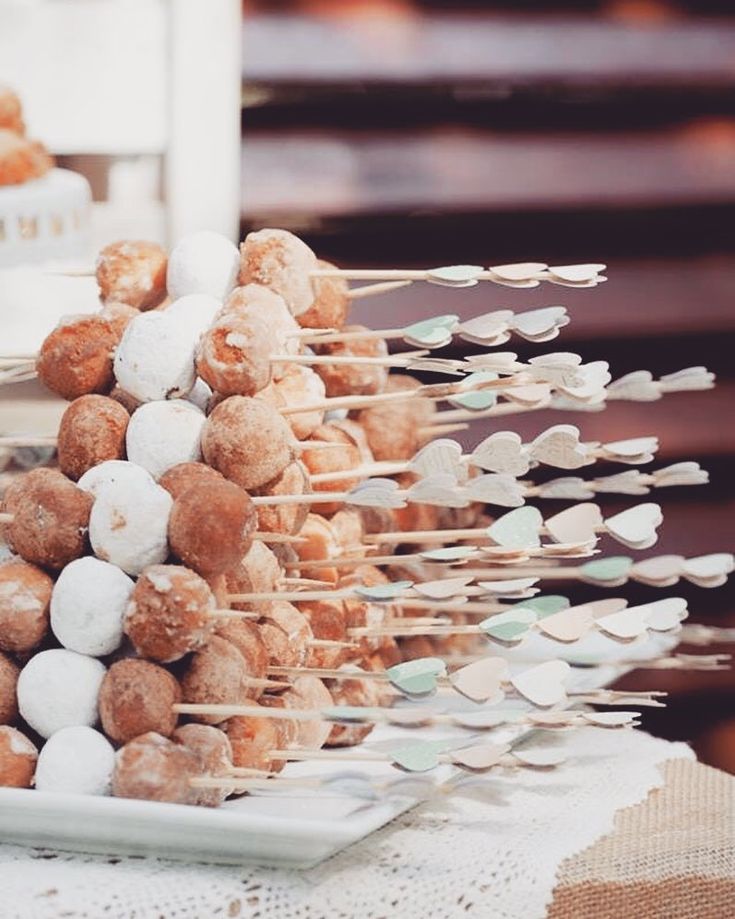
x=671, y=857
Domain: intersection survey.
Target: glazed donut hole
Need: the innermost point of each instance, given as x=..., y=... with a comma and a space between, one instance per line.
x=58, y=689
x=170, y=613
x=25, y=594
x=153, y=768
x=8, y=690
x=211, y=527
x=258, y=571
x=285, y=518
x=300, y=385
x=91, y=431
x=202, y=263
x=132, y=272
x=214, y=752
x=348, y=527
x=218, y=674
x=88, y=604
x=308, y=692
x=319, y=542
x=351, y=692
x=248, y=441
x=354, y=379
x=331, y=304
x=246, y=637
x=234, y=355
x=282, y=262
x=136, y=697
x=392, y=428
x=346, y=456
x=51, y=519
x=76, y=357
x=182, y=477
x=18, y=757
x=163, y=434
x=76, y=760
x=264, y=305
x=328, y=621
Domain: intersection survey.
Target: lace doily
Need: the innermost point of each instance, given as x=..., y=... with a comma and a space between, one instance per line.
x=493, y=850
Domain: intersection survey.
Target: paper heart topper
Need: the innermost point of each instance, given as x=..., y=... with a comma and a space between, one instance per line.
x=376, y=492
x=417, y=677
x=482, y=680
x=543, y=685
x=435, y=332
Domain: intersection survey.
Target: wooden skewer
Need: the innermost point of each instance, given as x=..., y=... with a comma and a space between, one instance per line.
x=401, y=360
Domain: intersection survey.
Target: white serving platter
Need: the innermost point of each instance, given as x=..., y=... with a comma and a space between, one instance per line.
x=276, y=828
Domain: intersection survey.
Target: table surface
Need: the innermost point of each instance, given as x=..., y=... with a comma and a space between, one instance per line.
x=672, y=856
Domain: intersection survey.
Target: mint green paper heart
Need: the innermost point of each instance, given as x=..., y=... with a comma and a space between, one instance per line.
x=477, y=399
x=449, y=554
x=417, y=677
x=518, y=529
x=351, y=714
x=383, y=592
x=607, y=569
x=544, y=606
x=432, y=333
x=416, y=755
x=509, y=626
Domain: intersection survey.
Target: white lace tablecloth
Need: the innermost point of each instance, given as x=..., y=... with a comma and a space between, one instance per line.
x=492, y=851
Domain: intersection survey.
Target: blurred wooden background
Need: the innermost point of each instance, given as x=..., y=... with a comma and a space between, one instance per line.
x=419, y=133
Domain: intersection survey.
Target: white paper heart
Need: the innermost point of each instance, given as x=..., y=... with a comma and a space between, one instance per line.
x=440, y=490
x=531, y=394
x=577, y=274
x=661, y=571
x=482, y=680
x=487, y=329
x=664, y=615
x=539, y=757
x=576, y=524
x=611, y=719
x=560, y=360
x=708, y=568
x=503, y=362
x=631, y=450
x=495, y=488
x=688, y=473
x=518, y=271
x=569, y=488
x=568, y=625
x=691, y=379
x=376, y=493
x=502, y=452
x=455, y=275
x=443, y=589
x=637, y=526
x=630, y=482
x=559, y=446
x=485, y=718
x=587, y=382
x=479, y=757
x=509, y=588
x=518, y=529
x=540, y=325
x=638, y=386
x=440, y=456
x=543, y=685
x=624, y=625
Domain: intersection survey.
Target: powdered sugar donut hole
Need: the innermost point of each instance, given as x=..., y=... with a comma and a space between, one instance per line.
x=202, y=263
x=76, y=760
x=113, y=472
x=161, y=435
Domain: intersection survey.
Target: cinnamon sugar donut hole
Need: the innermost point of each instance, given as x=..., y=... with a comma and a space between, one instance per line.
x=253, y=738
x=248, y=441
x=8, y=690
x=51, y=518
x=346, y=456
x=254, y=301
x=308, y=693
x=91, y=431
x=320, y=542
x=170, y=613
x=76, y=358
x=154, y=768
x=351, y=692
x=327, y=621
x=234, y=355
x=11, y=111
x=353, y=379
x=25, y=595
x=136, y=697
x=21, y=159
x=299, y=385
x=286, y=633
x=212, y=747
x=285, y=518
x=259, y=571
x=331, y=302
x=211, y=527
x=281, y=261
x=132, y=271
x=348, y=526
x=18, y=757
x=392, y=428
x=217, y=674
x=184, y=476
x=247, y=638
